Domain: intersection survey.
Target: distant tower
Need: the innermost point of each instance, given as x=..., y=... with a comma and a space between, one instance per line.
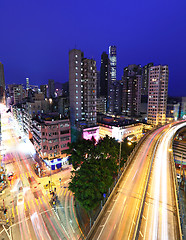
x=113, y=61
x=104, y=74
x=2, y=82
x=27, y=83
x=157, y=94
x=51, y=88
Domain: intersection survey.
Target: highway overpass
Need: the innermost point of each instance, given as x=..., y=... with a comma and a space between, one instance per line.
x=144, y=205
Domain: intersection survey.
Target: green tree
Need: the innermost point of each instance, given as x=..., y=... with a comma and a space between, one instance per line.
x=95, y=167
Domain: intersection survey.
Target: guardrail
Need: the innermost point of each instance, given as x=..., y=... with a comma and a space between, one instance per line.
x=129, y=160
x=176, y=193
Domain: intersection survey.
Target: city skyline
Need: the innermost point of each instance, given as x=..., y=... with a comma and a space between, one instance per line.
x=36, y=38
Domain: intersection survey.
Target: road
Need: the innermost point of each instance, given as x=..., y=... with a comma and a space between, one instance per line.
x=159, y=216
x=120, y=218
x=27, y=199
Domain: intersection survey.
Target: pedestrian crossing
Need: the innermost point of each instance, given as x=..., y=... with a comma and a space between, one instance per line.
x=39, y=202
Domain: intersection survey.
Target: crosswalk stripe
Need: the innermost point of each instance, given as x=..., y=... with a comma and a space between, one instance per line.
x=26, y=174
x=44, y=199
x=32, y=202
x=65, y=191
x=25, y=206
x=40, y=200
x=36, y=201
x=28, y=204
x=13, y=212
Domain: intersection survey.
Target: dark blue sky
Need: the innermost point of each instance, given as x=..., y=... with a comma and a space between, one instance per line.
x=36, y=35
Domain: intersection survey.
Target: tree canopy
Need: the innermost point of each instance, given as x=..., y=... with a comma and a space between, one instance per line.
x=95, y=167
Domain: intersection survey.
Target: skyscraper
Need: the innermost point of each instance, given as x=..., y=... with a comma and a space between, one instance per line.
x=104, y=74
x=113, y=61
x=27, y=83
x=82, y=89
x=105, y=78
x=157, y=94
x=111, y=82
x=131, y=94
x=145, y=78
x=2, y=82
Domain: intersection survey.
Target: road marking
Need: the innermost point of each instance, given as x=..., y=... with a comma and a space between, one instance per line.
x=36, y=201
x=144, y=217
x=28, y=204
x=65, y=191
x=13, y=212
x=141, y=234
x=1, y=231
x=44, y=199
x=26, y=174
x=33, y=202
x=25, y=206
x=40, y=200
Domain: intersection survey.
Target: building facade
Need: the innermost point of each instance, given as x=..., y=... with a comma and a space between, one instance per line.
x=82, y=89
x=2, y=82
x=51, y=89
x=157, y=94
x=113, y=62
x=131, y=93
x=51, y=136
x=145, y=78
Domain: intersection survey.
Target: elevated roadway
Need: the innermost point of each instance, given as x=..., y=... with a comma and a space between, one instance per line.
x=144, y=205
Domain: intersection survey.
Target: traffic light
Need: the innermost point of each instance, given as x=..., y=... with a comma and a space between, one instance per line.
x=5, y=211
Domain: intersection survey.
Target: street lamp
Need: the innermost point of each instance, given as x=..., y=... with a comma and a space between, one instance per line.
x=129, y=143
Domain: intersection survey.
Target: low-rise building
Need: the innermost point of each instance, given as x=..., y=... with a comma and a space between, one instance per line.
x=134, y=132
x=51, y=135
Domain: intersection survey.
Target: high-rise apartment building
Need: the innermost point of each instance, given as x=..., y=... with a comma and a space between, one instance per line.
x=51, y=88
x=131, y=94
x=145, y=78
x=113, y=62
x=2, y=82
x=43, y=89
x=157, y=94
x=82, y=88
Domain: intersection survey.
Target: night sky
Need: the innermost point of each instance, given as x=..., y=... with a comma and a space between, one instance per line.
x=36, y=36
